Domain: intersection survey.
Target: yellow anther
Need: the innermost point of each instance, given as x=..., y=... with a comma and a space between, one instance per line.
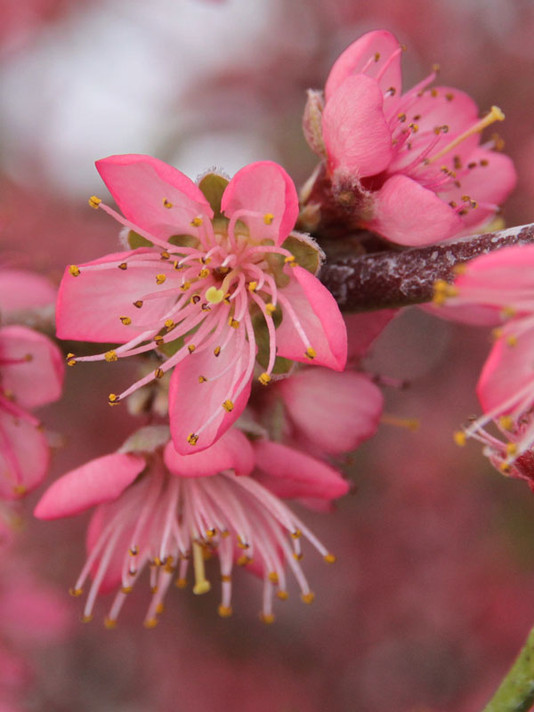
x=191, y=348
x=282, y=595
x=267, y=618
x=291, y=261
x=224, y=611
x=273, y=577
x=19, y=490
x=167, y=203
x=181, y=583
x=298, y=556
x=204, y=273
x=216, y=350
x=159, y=339
x=330, y=558
x=460, y=268
x=74, y=270
x=94, y=202
x=243, y=560
x=252, y=286
x=511, y=449
x=113, y=399
x=268, y=218
x=504, y=467
x=76, y=592
x=133, y=551
x=202, y=379
x=508, y=312
x=211, y=533
x=110, y=623
x=160, y=278
x=138, y=303
x=497, y=333
x=311, y=353
x=506, y=422
x=111, y=356
x=123, y=265
x=226, y=578
x=150, y=622
x=185, y=286
x=159, y=373
x=202, y=585
x=126, y=589
x=87, y=618
x=71, y=360
x=308, y=597
x=511, y=340
x=296, y=534
x=264, y=379
x=270, y=308
x=460, y=438
x=160, y=608
x=377, y=56
x=169, y=324
x=233, y=322
x=228, y=405
x=196, y=222
x=192, y=438
x=214, y=295
x=242, y=544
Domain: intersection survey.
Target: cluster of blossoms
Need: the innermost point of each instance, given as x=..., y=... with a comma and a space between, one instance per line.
x=244, y=388
x=498, y=289
x=407, y=166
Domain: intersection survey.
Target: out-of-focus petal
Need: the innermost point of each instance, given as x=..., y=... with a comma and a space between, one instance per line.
x=21, y=290
x=24, y=455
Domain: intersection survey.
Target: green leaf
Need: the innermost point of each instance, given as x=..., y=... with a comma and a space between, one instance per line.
x=213, y=187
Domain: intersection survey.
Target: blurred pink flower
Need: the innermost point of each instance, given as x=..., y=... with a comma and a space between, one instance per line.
x=213, y=282
x=409, y=166
x=167, y=509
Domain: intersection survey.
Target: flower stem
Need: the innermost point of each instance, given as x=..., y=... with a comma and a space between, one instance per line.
x=394, y=278
x=516, y=691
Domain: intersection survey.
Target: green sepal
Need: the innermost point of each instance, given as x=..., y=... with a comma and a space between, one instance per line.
x=213, y=187
x=183, y=240
x=135, y=240
x=305, y=250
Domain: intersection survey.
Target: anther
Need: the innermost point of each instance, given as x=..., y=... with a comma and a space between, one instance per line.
x=202, y=379
x=74, y=270
x=165, y=255
x=110, y=623
x=192, y=438
x=180, y=583
x=296, y=534
x=113, y=399
x=243, y=560
x=330, y=558
x=233, y=322
x=224, y=611
x=159, y=373
x=169, y=324
x=111, y=356
x=75, y=592
x=71, y=360
x=506, y=422
x=308, y=597
x=460, y=438
x=94, y=202
x=167, y=203
x=270, y=308
x=196, y=222
x=282, y=595
x=191, y=348
x=123, y=265
x=377, y=56
x=252, y=286
x=268, y=218
x=185, y=286
x=125, y=320
x=228, y=406
x=273, y=577
x=87, y=619
x=150, y=622
x=310, y=353
x=264, y=378
x=138, y=303
x=291, y=261
x=267, y=618
x=216, y=350
x=159, y=339
x=204, y=273
x=160, y=278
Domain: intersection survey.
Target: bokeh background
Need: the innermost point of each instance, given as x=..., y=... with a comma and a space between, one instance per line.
x=433, y=592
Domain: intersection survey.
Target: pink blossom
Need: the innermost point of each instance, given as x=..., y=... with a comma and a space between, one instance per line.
x=410, y=166
x=212, y=283
x=500, y=285
x=166, y=510
x=31, y=375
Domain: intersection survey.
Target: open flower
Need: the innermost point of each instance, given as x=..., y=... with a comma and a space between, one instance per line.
x=408, y=166
x=500, y=285
x=170, y=512
x=210, y=287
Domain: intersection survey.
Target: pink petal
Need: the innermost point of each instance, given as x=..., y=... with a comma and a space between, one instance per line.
x=24, y=455
x=510, y=268
x=232, y=451
x=360, y=57
x=90, y=305
x=193, y=403
x=363, y=329
x=100, y=480
x=291, y=474
x=37, y=380
x=267, y=190
x=489, y=185
x=356, y=134
x=335, y=411
x=140, y=185
x=408, y=214
x=319, y=317
x=24, y=290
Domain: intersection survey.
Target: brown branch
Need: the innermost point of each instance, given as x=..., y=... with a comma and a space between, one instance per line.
x=399, y=278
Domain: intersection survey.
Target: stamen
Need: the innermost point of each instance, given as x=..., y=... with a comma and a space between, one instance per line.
x=495, y=114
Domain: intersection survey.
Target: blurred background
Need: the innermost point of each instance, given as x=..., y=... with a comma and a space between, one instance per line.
x=433, y=592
